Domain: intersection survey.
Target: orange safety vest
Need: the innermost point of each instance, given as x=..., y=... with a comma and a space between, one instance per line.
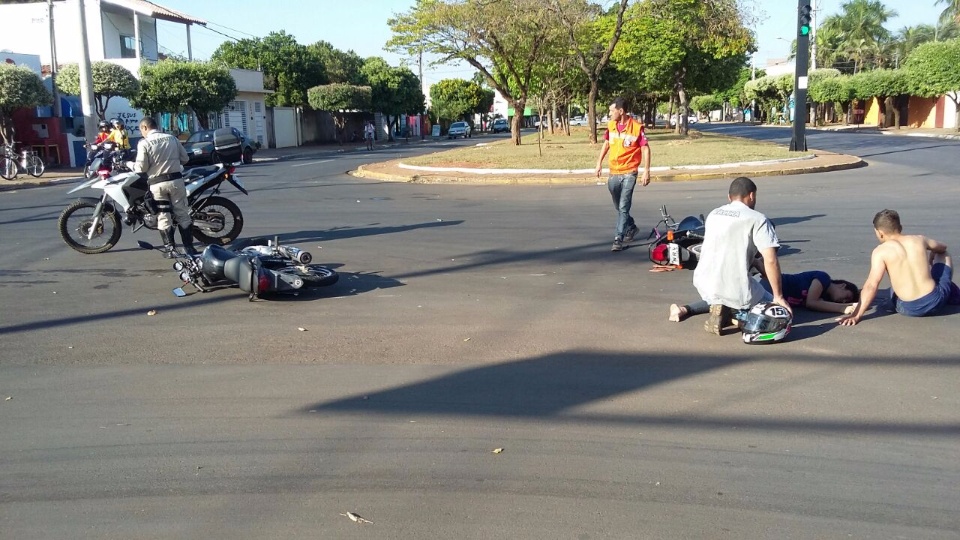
x=625, y=146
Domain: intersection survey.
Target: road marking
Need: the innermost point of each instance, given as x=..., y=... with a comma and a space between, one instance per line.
x=312, y=163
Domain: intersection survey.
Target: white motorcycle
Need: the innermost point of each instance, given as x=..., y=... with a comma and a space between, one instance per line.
x=93, y=225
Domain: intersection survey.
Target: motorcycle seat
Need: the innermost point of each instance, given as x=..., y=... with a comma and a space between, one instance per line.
x=199, y=172
x=218, y=254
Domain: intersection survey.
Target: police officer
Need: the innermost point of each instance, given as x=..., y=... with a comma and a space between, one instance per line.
x=160, y=156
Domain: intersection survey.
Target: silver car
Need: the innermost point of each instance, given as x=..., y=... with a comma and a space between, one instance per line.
x=459, y=129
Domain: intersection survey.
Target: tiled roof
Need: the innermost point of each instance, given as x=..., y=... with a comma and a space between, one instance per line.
x=145, y=7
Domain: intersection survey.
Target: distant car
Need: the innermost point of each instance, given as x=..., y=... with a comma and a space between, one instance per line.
x=692, y=119
x=500, y=125
x=459, y=129
x=200, y=148
x=578, y=121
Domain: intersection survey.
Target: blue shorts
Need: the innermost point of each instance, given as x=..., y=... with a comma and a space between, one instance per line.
x=934, y=300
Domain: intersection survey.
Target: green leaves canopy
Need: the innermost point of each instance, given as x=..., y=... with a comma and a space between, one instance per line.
x=109, y=80
x=174, y=86
x=393, y=91
x=452, y=99
x=19, y=88
x=289, y=68
x=338, y=97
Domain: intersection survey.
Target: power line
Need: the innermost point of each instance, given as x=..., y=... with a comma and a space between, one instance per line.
x=231, y=29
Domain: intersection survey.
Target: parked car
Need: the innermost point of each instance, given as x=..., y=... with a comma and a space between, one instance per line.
x=692, y=119
x=459, y=129
x=200, y=148
x=578, y=121
x=500, y=125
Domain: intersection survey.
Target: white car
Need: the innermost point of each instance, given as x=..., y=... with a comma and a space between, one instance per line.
x=692, y=119
x=578, y=121
x=459, y=129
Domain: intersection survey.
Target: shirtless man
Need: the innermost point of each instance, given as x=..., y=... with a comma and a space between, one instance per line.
x=921, y=272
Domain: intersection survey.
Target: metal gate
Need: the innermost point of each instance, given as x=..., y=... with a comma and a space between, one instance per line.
x=235, y=115
x=285, y=126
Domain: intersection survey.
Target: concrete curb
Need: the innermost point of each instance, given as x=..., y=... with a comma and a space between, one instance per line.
x=40, y=182
x=924, y=135
x=712, y=174
x=510, y=172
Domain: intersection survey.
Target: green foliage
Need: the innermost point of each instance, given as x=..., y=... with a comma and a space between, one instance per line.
x=883, y=83
x=341, y=67
x=109, y=80
x=174, y=86
x=338, y=97
x=705, y=104
x=831, y=89
x=452, y=99
x=19, y=88
x=289, y=68
x=934, y=69
x=394, y=91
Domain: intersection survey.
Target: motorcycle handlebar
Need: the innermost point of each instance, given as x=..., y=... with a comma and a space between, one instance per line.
x=295, y=254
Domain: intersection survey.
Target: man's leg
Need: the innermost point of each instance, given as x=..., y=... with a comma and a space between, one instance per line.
x=625, y=223
x=720, y=318
x=181, y=212
x=679, y=313
x=615, y=186
x=164, y=220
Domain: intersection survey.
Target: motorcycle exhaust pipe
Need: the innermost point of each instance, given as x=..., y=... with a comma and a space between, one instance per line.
x=295, y=254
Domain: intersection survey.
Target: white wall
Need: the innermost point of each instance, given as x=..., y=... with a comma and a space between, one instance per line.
x=117, y=24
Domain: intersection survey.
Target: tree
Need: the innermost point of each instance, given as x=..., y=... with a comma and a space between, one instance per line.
x=933, y=70
x=341, y=67
x=19, y=88
x=393, y=91
x=891, y=87
x=109, y=80
x=503, y=40
x=952, y=11
x=173, y=86
x=592, y=42
x=289, y=68
x=453, y=99
x=862, y=37
x=685, y=46
x=338, y=100
x=835, y=90
x=706, y=104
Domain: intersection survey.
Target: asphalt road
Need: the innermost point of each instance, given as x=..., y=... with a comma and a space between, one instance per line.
x=471, y=318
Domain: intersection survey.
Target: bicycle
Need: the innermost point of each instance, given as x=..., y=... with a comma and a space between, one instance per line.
x=11, y=163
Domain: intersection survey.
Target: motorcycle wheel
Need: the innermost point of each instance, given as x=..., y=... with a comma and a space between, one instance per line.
x=313, y=275
x=226, y=217
x=75, y=222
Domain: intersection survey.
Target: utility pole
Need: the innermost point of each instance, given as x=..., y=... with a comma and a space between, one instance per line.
x=86, y=79
x=813, y=35
x=799, y=141
x=422, y=87
x=53, y=63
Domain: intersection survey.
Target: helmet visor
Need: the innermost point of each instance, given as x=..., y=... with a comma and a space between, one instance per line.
x=758, y=322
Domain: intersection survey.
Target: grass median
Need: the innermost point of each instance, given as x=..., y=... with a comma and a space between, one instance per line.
x=575, y=151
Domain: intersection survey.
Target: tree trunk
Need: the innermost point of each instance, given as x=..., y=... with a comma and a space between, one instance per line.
x=7, y=130
x=682, y=126
x=202, y=119
x=518, y=107
x=956, y=102
x=592, y=108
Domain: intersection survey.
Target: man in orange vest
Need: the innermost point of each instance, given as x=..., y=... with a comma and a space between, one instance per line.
x=628, y=148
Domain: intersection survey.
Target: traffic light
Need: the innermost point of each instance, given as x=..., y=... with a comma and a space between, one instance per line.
x=805, y=18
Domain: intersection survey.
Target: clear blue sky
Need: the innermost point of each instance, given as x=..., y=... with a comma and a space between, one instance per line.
x=361, y=25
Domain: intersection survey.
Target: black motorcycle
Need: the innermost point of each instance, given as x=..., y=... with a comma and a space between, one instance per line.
x=256, y=268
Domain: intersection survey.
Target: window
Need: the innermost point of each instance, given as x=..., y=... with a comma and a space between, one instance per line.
x=127, y=49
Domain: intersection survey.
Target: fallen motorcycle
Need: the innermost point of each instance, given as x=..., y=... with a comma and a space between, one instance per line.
x=676, y=245
x=256, y=269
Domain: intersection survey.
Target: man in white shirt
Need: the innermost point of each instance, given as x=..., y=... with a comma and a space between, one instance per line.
x=734, y=234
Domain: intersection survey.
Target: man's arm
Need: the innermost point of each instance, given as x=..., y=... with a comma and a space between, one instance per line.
x=142, y=165
x=645, y=154
x=934, y=246
x=815, y=301
x=869, y=291
x=772, y=267
x=603, y=154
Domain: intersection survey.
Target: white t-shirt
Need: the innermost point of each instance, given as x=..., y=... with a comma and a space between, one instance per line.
x=734, y=234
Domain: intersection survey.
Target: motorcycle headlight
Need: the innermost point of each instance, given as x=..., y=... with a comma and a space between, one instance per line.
x=185, y=277
x=178, y=266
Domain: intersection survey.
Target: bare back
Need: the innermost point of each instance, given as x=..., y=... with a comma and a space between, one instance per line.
x=908, y=265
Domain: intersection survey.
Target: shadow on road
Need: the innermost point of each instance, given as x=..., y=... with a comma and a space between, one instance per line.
x=340, y=233
x=558, y=386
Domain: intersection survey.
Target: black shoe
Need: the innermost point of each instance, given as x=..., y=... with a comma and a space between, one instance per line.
x=617, y=245
x=631, y=232
x=186, y=234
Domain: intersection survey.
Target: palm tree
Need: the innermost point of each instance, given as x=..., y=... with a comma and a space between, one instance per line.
x=862, y=38
x=952, y=10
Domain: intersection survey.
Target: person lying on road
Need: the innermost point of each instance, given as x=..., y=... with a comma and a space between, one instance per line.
x=813, y=290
